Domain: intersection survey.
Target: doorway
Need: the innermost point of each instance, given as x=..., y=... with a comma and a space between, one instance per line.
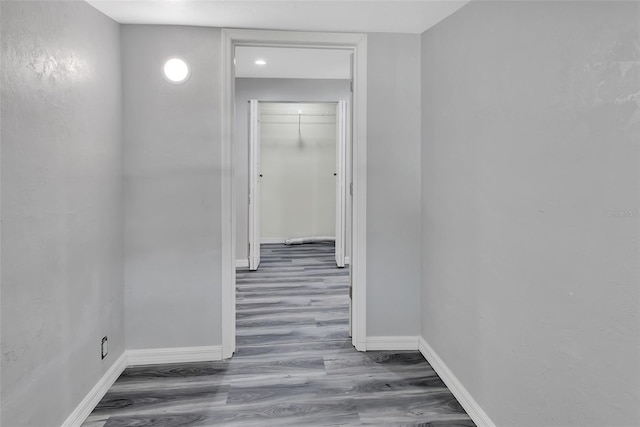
x=356, y=43
x=298, y=170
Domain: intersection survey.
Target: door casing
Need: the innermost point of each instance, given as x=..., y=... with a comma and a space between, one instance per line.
x=357, y=43
x=341, y=181
x=254, y=184
x=342, y=146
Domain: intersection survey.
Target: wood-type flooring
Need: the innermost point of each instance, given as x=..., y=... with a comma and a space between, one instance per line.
x=294, y=364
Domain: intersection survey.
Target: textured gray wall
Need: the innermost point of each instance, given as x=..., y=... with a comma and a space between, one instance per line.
x=393, y=180
x=269, y=90
x=62, y=214
x=173, y=182
x=393, y=185
x=530, y=190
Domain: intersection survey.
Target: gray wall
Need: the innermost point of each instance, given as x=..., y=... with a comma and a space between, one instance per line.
x=298, y=166
x=393, y=179
x=393, y=185
x=172, y=180
x=62, y=213
x=530, y=137
x=269, y=90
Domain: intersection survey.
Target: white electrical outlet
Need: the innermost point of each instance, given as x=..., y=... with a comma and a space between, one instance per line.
x=104, y=347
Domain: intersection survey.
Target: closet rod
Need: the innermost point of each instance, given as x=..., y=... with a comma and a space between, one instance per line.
x=297, y=114
x=304, y=123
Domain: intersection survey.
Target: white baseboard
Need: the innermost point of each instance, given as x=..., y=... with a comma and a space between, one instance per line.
x=467, y=401
x=152, y=356
x=392, y=343
x=156, y=356
x=272, y=240
x=96, y=394
x=242, y=263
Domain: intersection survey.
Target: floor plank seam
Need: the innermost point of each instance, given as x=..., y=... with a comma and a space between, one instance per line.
x=294, y=364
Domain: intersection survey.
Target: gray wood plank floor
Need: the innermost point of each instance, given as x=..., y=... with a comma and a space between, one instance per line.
x=294, y=364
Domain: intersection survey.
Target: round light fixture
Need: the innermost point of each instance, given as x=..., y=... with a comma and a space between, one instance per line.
x=261, y=62
x=176, y=70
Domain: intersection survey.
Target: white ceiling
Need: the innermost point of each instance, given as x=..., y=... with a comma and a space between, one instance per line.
x=292, y=63
x=396, y=16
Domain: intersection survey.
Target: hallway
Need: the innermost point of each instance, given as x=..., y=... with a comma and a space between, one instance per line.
x=495, y=202
x=294, y=364
x=296, y=296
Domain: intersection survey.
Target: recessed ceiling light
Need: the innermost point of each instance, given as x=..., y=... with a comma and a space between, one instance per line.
x=176, y=70
x=261, y=62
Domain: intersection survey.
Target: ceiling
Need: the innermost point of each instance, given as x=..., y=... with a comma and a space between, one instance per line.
x=292, y=63
x=395, y=16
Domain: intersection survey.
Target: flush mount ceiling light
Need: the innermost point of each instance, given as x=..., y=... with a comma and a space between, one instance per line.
x=176, y=70
x=261, y=62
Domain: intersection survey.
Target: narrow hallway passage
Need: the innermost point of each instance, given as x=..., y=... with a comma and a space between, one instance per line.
x=296, y=296
x=294, y=364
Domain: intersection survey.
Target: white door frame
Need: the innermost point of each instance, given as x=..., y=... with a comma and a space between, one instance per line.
x=254, y=184
x=341, y=181
x=230, y=38
x=342, y=147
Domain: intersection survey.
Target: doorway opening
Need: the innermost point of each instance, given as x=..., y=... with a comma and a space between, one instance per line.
x=298, y=172
x=356, y=45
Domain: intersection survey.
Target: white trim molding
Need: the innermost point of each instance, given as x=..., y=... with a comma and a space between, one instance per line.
x=242, y=263
x=228, y=198
x=467, y=401
x=392, y=343
x=272, y=240
x=356, y=43
x=153, y=356
x=157, y=356
x=91, y=400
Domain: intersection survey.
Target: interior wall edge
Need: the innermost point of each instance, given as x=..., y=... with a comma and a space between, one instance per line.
x=392, y=342
x=470, y=405
x=91, y=400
